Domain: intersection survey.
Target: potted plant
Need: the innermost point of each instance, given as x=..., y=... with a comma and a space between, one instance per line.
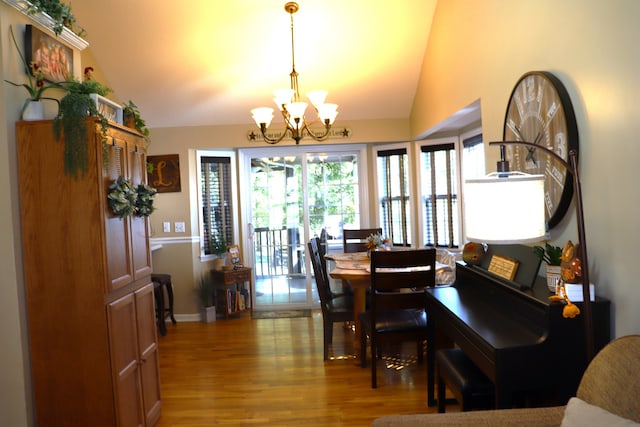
x=59, y=12
x=32, y=109
x=132, y=119
x=205, y=296
x=552, y=256
x=70, y=123
x=218, y=246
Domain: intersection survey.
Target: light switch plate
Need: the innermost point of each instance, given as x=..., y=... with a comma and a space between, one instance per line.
x=166, y=227
x=179, y=227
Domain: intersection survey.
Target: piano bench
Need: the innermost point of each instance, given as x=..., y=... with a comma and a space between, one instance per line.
x=468, y=384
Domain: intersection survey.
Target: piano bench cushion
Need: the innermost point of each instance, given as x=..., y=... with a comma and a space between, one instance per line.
x=463, y=378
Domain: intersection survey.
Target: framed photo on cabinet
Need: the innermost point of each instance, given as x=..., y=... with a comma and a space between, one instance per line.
x=235, y=259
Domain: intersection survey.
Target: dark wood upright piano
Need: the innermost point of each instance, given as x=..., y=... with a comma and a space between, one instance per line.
x=517, y=337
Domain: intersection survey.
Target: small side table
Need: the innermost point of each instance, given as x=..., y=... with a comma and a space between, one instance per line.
x=232, y=295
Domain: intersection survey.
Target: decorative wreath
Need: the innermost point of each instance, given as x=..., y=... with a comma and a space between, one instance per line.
x=122, y=198
x=144, y=202
x=126, y=199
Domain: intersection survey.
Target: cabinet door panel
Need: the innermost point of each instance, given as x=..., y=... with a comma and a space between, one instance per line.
x=140, y=248
x=148, y=348
x=124, y=358
x=117, y=230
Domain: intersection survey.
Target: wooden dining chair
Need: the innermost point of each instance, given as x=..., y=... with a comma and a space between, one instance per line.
x=396, y=308
x=356, y=240
x=336, y=307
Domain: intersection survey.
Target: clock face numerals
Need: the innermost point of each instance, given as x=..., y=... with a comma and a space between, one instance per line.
x=540, y=112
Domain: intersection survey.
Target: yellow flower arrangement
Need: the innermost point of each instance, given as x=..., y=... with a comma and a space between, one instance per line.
x=375, y=241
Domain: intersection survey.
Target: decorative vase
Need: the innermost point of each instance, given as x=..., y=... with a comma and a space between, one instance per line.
x=553, y=276
x=209, y=314
x=34, y=110
x=129, y=120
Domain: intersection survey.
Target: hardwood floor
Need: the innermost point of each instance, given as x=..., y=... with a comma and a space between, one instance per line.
x=270, y=372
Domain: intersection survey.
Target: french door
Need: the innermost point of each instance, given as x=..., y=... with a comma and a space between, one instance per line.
x=290, y=195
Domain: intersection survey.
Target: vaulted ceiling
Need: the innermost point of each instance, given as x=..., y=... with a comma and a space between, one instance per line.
x=208, y=62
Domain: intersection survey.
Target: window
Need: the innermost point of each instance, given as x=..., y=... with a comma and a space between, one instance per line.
x=393, y=193
x=216, y=200
x=440, y=185
x=439, y=173
x=473, y=157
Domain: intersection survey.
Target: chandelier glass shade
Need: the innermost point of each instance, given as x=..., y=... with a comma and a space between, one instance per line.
x=293, y=109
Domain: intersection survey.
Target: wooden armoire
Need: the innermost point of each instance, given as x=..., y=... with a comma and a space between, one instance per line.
x=87, y=273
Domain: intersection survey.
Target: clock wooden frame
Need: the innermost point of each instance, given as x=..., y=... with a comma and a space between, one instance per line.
x=540, y=111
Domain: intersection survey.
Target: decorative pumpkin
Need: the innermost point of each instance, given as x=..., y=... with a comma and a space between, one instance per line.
x=472, y=253
x=570, y=264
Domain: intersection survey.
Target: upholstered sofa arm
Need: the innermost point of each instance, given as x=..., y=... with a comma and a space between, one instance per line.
x=531, y=417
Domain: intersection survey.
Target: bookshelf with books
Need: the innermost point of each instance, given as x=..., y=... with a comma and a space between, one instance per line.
x=233, y=290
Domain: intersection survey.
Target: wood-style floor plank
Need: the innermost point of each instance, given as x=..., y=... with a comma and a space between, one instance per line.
x=270, y=372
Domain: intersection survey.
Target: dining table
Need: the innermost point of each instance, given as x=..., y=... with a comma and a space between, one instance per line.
x=355, y=269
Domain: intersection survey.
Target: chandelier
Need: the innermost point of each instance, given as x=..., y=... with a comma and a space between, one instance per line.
x=292, y=109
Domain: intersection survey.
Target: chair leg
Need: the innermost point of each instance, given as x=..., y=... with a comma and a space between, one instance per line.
x=374, y=362
x=327, y=337
x=363, y=348
x=441, y=395
x=169, y=288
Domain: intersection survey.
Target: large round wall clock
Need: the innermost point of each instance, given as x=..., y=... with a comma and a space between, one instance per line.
x=540, y=112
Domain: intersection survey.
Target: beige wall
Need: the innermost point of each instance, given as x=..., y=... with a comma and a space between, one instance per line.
x=479, y=49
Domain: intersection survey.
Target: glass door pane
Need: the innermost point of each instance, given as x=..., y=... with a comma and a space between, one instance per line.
x=333, y=196
x=293, y=198
x=276, y=206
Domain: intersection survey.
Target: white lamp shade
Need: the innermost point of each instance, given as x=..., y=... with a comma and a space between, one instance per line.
x=505, y=209
x=317, y=97
x=282, y=97
x=262, y=115
x=327, y=111
x=296, y=110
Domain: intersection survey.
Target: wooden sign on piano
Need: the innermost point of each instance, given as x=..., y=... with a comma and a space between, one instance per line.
x=503, y=266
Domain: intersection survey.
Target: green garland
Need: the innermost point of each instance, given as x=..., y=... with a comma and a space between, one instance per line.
x=126, y=199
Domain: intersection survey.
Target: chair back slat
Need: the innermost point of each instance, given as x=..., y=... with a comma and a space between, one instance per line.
x=356, y=240
x=398, y=278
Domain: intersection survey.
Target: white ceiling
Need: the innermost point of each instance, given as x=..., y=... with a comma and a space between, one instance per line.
x=208, y=62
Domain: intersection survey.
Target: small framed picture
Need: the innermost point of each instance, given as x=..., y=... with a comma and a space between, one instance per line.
x=235, y=259
x=53, y=58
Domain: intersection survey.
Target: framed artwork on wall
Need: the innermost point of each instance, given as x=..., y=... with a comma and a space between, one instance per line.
x=52, y=57
x=163, y=173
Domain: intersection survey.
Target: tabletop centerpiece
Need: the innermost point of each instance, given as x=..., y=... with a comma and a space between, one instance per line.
x=375, y=242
